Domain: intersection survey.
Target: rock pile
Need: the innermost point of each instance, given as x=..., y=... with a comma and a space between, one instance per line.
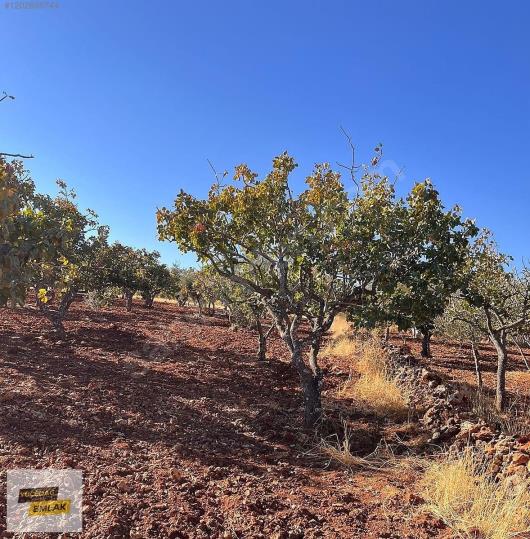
x=435, y=404
x=440, y=409
x=501, y=456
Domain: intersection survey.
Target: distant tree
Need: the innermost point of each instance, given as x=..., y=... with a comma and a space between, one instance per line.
x=432, y=257
x=172, y=288
x=122, y=267
x=188, y=289
x=502, y=298
x=134, y=271
x=206, y=288
x=307, y=257
x=68, y=263
x=245, y=309
x=154, y=277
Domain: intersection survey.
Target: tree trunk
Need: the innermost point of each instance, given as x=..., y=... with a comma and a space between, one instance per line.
x=311, y=386
x=499, y=342
x=262, y=341
x=128, y=300
x=426, y=343
x=56, y=316
x=311, y=382
x=478, y=371
x=387, y=333
x=149, y=300
x=58, y=326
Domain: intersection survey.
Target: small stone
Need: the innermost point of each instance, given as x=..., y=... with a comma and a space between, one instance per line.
x=519, y=458
x=525, y=447
x=436, y=435
x=485, y=433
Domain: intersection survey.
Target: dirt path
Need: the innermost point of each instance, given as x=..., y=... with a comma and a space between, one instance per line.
x=181, y=433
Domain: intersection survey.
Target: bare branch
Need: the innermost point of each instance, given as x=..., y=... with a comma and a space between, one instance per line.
x=352, y=168
x=521, y=353
x=2, y=154
x=218, y=175
x=5, y=96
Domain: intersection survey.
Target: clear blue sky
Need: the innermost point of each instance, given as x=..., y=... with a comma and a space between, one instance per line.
x=127, y=99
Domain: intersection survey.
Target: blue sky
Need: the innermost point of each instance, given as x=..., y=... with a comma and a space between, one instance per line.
x=126, y=100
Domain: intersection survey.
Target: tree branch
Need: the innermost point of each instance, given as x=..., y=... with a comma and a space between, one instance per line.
x=3, y=154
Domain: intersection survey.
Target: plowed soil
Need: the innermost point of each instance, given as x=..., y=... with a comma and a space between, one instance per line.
x=180, y=432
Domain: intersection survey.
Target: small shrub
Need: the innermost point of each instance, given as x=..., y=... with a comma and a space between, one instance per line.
x=469, y=502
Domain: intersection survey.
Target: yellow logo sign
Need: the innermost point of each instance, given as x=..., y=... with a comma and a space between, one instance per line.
x=45, y=508
x=40, y=494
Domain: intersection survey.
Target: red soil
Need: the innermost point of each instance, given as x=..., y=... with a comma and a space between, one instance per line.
x=181, y=433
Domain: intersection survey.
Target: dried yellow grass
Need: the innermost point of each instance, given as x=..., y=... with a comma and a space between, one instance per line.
x=343, y=346
x=382, y=396
x=376, y=387
x=471, y=503
x=340, y=452
x=342, y=342
x=340, y=326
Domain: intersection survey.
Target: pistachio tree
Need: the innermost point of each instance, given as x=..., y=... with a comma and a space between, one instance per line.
x=154, y=277
x=500, y=298
x=69, y=261
x=245, y=309
x=172, y=288
x=432, y=259
x=188, y=290
x=46, y=244
x=121, y=267
x=206, y=289
x=307, y=256
x=20, y=241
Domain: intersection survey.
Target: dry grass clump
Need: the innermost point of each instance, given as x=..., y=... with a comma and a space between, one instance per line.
x=343, y=346
x=471, y=503
x=340, y=451
x=376, y=387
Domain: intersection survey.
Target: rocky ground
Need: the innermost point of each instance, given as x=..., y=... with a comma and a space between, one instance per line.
x=181, y=433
